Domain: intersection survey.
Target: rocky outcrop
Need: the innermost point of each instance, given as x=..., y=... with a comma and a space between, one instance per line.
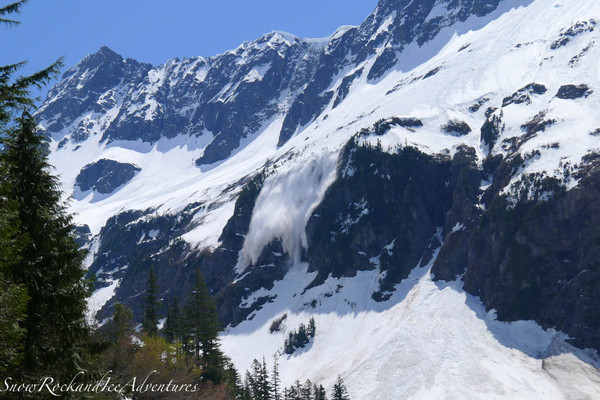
x=132, y=242
x=90, y=86
x=457, y=128
x=382, y=210
x=571, y=92
x=524, y=95
x=463, y=216
x=567, y=34
x=105, y=176
x=540, y=260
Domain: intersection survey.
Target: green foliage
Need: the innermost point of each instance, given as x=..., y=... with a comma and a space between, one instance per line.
x=258, y=381
x=13, y=296
x=11, y=240
x=319, y=393
x=251, y=190
x=201, y=327
x=13, y=302
x=275, y=381
x=122, y=319
x=257, y=386
x=42, y=289
x=15, y=92
x=12, y=8
x=312, y=327
x=306, y=391
x=339, y=391
x=151, y=305
x=173, y=324
x=50, y=263
x=300, y=338
x=119, y=355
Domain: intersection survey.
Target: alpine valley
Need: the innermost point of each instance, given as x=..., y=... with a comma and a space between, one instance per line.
x=424, y=185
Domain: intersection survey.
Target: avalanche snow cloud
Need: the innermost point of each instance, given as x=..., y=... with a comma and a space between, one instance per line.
x=442, y=157
x=285, y=204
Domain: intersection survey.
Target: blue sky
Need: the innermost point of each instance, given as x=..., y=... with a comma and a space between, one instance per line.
x=156, y=30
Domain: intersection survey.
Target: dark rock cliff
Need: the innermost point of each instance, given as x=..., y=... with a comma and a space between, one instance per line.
x=104, y=176
x=540, y=260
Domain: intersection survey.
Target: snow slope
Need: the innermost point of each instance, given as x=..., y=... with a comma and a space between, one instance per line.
x=428, y=341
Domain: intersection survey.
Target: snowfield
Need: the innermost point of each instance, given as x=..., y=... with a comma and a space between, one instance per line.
x=428, y=341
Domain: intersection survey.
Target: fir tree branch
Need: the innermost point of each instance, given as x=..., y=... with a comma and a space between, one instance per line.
x=7, y=70
x=39, y=78
x=13, y=8
x=9, y=22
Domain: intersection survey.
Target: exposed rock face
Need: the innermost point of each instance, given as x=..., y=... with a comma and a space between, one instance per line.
x=91, y=86
x=540, y=260
x=105, y=176
x=82, y=235
x=571, y=92
x=140, y=240
x=382, y=210
x=491, y=129
x=270, y=266
x=236, y=94
x=457, y=128
x=464, y=178
x=566, y=35
x=133, y=241
x=524, y=94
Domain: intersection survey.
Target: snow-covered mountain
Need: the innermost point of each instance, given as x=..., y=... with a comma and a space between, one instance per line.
x=411, y=183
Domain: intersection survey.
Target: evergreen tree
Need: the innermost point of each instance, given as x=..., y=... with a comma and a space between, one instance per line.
x=232, y=378
x=295, y=392
x=173, y=322
x=13, y=303
x=339, y=391
x=151, y=305
x=306, y=391
x=37, y=254
x=312, y=328
x=288, y=347
x=13, y=297
x=319, y=393
x=301, y=339
x=120, y=354
x=11, y=9
x=292, y=393
x=246, y=391
x=15, y=93
x=265, y=383
x=253, y=380
x=121, y=326
x=50, y=264
x=275, y=381
x=11, y=242
x=202, y=328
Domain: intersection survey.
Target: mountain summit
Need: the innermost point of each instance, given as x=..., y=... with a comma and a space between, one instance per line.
x=233, y=95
